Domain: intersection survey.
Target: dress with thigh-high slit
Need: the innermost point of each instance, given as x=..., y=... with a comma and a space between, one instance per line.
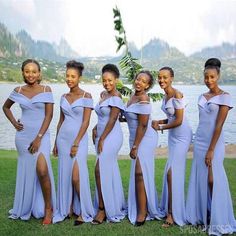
x=28, y=193
x=201, y=207
x=66, y=193
x=111, y=184
x=146, y=153
x=179, y=139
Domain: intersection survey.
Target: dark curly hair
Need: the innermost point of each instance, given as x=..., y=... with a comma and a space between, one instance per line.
x=27, y=61
x=112, y=69
x=213, y=63
x=151, y=78
x=75, y=65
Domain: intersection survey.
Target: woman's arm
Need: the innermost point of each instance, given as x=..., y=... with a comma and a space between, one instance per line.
x=61, y=119
x=156, y=123
x=179, y=114
x=222, y=114
x=8, y=113
x=34, y=146
x=141, y=129
x=114, y=113
x=94, y=133
x=82, y=131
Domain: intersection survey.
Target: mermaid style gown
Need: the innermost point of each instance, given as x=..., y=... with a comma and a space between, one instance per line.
x=220, y=207
x=179, y=139
x=66, y=194
x=146, y=153
x=111, y=184
x=28, y=193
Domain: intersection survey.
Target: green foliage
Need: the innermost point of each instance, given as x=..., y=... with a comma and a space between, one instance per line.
x=128, y=64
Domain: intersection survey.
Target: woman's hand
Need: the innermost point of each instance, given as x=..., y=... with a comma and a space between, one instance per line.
x=55, y=151
x=155, y=124
x=100, y=145
x=18, y=126
x=209, y=158
x=34, y=146
x=73, y=150
x=94, y=135
x=133, y=152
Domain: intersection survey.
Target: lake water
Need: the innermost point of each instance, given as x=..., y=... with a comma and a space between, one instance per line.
x=7, y=131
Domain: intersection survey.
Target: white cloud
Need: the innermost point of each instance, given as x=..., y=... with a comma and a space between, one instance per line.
x=87, y=25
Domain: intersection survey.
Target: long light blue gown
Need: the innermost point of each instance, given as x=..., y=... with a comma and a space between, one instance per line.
x=111, y=184
x=66, y=194
x=146, y=153
x=220, y=207
x=28, y=193
x=179, y=139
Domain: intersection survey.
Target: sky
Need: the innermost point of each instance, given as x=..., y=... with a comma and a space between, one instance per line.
x=87, y=25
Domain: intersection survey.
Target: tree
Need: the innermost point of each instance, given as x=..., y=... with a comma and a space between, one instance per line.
x=128, y=64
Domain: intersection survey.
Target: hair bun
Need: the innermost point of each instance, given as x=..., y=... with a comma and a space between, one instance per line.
x=213, y=62
x=75, y=65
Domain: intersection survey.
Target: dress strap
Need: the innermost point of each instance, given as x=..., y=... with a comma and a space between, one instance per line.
x=84, y=94
x=19, y=89
x=44, y=89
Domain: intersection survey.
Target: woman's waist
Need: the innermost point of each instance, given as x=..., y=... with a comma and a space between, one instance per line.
x=116, y=130
x=150, y=132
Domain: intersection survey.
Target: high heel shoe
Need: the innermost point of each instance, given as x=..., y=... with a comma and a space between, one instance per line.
x=97, y=222
x=140, y=223
x=47, y=221
x=78, y=221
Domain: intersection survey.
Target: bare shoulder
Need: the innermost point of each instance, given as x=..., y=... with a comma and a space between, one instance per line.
x=118, y=94
x=144, y=99
x=87, y=95
x=17, y=89
x=224, y=92
x=47, y=88
x=102, y=94
x=178, y=94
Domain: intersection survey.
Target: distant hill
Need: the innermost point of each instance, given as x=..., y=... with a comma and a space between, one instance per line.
x=64, y=49
x=223, y=51
x=153, y=55
x=155, y=49
x=45, y=50
x=9, y=44
x=22, y=45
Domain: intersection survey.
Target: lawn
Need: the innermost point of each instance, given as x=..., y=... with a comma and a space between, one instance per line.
x=8, y=162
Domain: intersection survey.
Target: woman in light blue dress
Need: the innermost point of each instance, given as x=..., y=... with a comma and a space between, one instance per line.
x=142, y=197
x=108, y=138
x=71, y=146
x=35, y=191
x=179, y=138
x=209, y=201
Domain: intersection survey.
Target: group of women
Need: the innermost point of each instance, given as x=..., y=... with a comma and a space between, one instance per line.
x=208, y=200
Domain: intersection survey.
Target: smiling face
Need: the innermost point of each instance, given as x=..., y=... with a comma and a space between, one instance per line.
x=109, y=81
x=31, y=73
x=164, y=78
x=72, y=77
x=211, y=77
x=142, y=82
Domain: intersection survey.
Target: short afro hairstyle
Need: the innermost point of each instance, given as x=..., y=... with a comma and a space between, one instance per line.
x=112, y=69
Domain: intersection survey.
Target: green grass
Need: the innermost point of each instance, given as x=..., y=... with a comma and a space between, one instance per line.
x=8, y=162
